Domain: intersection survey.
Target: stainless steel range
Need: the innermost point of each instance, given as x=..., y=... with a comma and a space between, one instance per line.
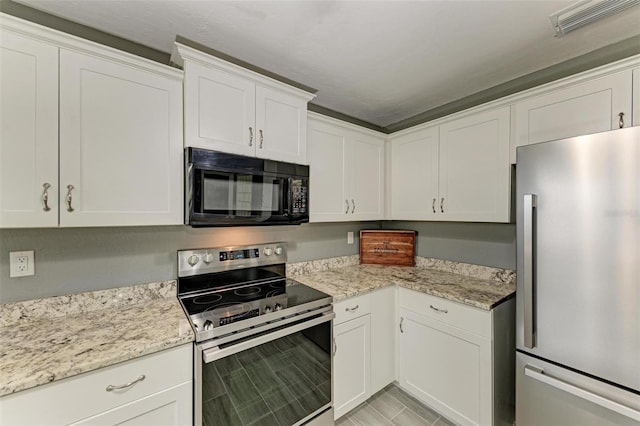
x=263, y=350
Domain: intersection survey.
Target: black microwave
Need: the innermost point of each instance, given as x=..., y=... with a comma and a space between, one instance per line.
x=224, y=189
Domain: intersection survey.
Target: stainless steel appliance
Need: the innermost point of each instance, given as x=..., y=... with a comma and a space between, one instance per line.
x=264, y=342
x=578, y=284
x=225, y=190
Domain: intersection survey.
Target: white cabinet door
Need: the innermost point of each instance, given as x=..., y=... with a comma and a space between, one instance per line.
x=352, y=364
x=29, y=132
x=414, y=175
x=281, y=123
x=219, y=110
x=327, y=173
x=384, y=324
x=448, y=368
x=585, y=108
x=474, y=168
x=120, y=144
x=170, y=407
x=365, y=165
x=346, y=173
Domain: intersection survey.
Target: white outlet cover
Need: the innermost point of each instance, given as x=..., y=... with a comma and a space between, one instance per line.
x=350, y=237
x=17, y=264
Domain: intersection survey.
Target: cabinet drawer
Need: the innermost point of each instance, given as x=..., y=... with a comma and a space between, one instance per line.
x=351, y=308
x=85, y=395
x=465, y=317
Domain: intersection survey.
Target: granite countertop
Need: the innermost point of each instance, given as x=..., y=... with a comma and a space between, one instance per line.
x=495, y=287
x=50, y=339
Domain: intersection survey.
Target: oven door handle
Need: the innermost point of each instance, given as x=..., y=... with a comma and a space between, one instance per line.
x=216, y=353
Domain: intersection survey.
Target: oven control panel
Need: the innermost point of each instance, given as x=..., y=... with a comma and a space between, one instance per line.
x=204, y=261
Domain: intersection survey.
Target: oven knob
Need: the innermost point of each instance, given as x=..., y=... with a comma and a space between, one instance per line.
x=267, y=309
x=208, y=325
x=278, y=251
x=277, y=307
x=193, y=260
x=268, y=251
x=207, y=258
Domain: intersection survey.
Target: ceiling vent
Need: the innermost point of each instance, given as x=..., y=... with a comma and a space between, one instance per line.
x=586, y=12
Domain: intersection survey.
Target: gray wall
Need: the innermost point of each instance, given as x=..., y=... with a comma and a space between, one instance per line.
x=489, y=244
x=86, y=259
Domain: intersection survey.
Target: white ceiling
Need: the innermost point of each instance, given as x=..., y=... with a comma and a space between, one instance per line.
x=379, y=61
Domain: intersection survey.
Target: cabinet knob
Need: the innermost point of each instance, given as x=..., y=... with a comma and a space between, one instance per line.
x=621, y=120
x=45, y=196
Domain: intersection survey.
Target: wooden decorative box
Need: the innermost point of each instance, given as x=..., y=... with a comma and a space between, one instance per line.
x=388, y=247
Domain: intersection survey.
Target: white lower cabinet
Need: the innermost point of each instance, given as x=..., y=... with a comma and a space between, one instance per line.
x=449, y=359
x=352, y=364
x=365, y=348
x=162, y=397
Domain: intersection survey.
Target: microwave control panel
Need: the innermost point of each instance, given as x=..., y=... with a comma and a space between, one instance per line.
x=299, y=191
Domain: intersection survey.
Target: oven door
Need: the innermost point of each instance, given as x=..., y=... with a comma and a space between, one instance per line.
x=282, y=376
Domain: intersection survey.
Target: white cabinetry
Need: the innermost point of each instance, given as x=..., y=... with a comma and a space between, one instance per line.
x=231, y=109
x=120, y=134
x=384, y=323
x=449, y=359
x=28, y=131
x=352, y=354
x=579, y=109
x=458, y=171
x=346, y=172
x=162, y=397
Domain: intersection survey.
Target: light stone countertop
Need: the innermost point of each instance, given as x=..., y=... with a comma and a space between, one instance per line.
x=495, y=287
x=40, y=345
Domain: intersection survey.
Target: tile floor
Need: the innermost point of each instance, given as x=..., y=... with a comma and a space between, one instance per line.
x=392, y=406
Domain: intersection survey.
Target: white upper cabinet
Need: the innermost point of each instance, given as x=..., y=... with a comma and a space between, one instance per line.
x=346, y=172
x=120, y=144
x=474, y=182
x=458, y=171
x=231, y=109
x=414, y=175
x=111, y=155
x=28, y=132
x=580, y=109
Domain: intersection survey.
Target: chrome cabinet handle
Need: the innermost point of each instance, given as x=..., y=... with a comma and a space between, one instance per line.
x=355, y=308
x=45, y=196
x=530, y=201
x=442, y=205
x=354, y=206
x=261, y=138
x=126, y=385
x=401, y=320
x=442, y=311
x=347, y=203
x=621, y=120
x=335, y=347
x=433, y=205
x=250, y=136
x=68, y=198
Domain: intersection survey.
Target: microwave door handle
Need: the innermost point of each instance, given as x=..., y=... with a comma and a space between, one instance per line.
x=285, y=189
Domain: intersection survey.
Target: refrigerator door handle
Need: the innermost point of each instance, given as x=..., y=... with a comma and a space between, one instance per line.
x=538, y=374
x=530, y=201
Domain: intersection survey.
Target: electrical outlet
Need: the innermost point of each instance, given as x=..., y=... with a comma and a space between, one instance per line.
x=21, y=264
x=349, y=237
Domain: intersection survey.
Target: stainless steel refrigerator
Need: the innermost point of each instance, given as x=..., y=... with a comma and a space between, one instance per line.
x=578, y=281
